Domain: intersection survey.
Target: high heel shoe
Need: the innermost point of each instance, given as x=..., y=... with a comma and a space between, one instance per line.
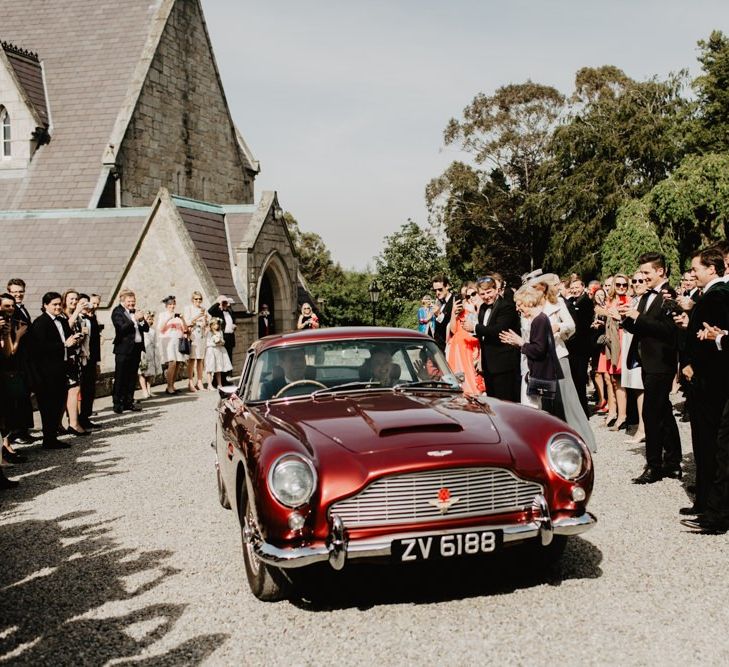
x=611, y=422
x=13, y=457
x=72, y=431
x=617, y=427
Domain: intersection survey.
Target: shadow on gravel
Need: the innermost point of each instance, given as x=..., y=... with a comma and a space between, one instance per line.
x=55, y=573
x=367, y=586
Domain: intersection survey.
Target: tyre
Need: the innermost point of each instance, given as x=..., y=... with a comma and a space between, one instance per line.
x=267, y=583
x=222, y=493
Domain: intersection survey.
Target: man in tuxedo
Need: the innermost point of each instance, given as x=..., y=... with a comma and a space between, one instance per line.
x=292, y=368
x=265, y=322
x=129, y=325
x=16, y=287
x=443, y=309
x=91, y=371
x=499, y=361
x=705, y=368
x=579, y=345
x=50, y=337
x=656, y=341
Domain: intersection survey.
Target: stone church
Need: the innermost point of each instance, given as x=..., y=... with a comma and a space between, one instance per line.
x=121, y=166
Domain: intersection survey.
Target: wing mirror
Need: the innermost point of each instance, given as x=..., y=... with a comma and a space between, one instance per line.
x=226, y=391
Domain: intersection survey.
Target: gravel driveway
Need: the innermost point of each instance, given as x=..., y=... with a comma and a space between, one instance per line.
x=117, y=552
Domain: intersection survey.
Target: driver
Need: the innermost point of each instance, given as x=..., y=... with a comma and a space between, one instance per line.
x=293, y=368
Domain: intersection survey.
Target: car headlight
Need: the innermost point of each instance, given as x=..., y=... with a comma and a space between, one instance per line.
x=292, y=480
x=567, y=457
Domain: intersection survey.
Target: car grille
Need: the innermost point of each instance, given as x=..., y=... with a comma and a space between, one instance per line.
x=413, y=497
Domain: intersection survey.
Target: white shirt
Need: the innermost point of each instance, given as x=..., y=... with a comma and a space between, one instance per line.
x=654, y=295
x=229, y=326
x=487, y=313
x=137, y=333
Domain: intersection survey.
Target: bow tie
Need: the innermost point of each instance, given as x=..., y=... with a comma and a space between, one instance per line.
x=653, y=291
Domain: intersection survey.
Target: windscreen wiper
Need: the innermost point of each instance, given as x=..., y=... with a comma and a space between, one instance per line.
x=362, y=384
x=426, y=384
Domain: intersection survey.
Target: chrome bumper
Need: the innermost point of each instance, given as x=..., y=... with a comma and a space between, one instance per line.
x=338, y=549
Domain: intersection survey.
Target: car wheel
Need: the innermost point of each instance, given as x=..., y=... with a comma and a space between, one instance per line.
x=267, y=583
x=222, y=493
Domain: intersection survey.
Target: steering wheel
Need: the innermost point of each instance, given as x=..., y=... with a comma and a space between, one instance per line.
x=297, y=383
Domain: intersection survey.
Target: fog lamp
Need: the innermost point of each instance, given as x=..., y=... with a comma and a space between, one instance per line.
x=578, y=494
x=296, y=521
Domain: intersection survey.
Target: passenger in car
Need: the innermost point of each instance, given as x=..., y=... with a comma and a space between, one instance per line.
x=292, y=369
x=380, y=368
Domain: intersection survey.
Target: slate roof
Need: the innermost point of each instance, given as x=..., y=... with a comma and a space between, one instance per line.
x=29, y=73
x=89, y=50
x=84, y=250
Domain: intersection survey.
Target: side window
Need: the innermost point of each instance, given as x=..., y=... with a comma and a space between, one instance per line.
x=247, y=367
x=5, y=150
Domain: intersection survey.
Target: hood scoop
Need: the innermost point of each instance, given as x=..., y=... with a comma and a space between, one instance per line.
x=419, y=428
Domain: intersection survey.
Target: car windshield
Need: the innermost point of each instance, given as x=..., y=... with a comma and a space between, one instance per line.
x=348, y=365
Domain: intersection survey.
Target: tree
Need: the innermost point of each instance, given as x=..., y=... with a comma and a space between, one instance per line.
x=315, y=260
x=407, y=263
x=712, y=91
x=633, y=235
x=346, y=299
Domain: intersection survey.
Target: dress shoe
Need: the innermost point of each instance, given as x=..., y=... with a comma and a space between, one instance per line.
x=118, y=409
x=72, y=431
x=6, y=483
x=13, y=457
x=673, y=473
x=619, y=427
x=133, y=408
x=56, y=444
x=649, y=476
x=62, y=430
x=611, y=422
x=22, y=439
x=694, y=510
x=705, y=526
x=87, y=424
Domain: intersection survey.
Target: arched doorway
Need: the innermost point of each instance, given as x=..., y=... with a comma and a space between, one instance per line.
x=275, y=289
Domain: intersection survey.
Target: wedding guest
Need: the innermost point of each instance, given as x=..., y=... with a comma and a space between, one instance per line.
x=307, y=318
x=463, y=349
x=150, y=365
x=196, y=318
x=129, y=328
x=217, y=362
x=265, y=321
x=75, y=359
x=580, y=344
x=171, y=327
x=92, y=369
x=617, y=298
x=443, y=310
x=21, y=435
x=426, y=316
x=222, y=309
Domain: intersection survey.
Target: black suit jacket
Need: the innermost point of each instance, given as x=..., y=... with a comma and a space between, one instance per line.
x=124, y=331
x=582, y=310
x=540, y=350
x=47, y=351
x=655, y=340
x=22, y=315
x=440, y=330
x=265, y=325
x=497, y=357
x=708, y=363
x=94, y=339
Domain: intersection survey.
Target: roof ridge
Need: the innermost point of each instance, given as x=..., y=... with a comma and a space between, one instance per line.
x=9, y=47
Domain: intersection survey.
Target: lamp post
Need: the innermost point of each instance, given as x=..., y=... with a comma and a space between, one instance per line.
x=374, y=291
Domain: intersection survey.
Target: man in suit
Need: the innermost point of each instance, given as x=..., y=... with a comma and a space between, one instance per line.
x=579, y=345
x=656, y=341
x=16, y=287
x=443, y=310
x=50, y=337
x=91, y=371
x=292, y=368
x=499, y=361
x=129, y=325
x=265, y=321
x=705, y=368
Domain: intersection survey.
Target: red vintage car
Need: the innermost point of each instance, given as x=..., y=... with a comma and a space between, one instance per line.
x=358, y=443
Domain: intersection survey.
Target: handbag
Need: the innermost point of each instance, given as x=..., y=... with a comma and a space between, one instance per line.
x=183, y=346
x=542, y=388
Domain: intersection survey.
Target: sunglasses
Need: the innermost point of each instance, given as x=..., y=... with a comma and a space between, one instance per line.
x=621, y=284
x=197, y=298
x=439, y=289
x=637, y=281
x=472, y=294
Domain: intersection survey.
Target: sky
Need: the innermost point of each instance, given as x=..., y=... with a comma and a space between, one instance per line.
x=344, y=103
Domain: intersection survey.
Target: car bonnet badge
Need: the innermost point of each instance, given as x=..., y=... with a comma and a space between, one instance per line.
x=444, y=501
x=440, y=452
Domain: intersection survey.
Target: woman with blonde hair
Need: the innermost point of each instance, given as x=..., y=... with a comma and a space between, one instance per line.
x=307, y=319
x=196, y=317
x=172, y=328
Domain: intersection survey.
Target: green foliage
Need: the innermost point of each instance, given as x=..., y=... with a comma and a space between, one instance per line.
x=407, y=263
x=692, y=205
x=712, y=90
x=315, y=260
x=633, y=235
x=347, y=301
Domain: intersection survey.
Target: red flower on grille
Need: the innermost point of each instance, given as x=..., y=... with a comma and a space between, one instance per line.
x=444, y=495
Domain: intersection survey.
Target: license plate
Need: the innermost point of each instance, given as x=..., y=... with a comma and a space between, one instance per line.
x=433, y=547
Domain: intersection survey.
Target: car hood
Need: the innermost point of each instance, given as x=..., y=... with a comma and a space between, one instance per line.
x=376, y=422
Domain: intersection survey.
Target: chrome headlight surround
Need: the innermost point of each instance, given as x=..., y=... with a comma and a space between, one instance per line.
x=292, y=480
x=567, y=456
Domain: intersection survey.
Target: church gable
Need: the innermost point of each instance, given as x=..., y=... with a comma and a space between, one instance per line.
x=180, y=135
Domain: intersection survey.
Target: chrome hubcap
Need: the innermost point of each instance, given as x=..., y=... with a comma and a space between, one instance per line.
x=248, y=536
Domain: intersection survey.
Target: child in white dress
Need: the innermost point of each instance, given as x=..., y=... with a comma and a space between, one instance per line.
x=217, y=361
x=150, y=365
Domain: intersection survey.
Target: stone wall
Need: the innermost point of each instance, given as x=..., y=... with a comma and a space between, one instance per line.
x=22, y=126
x=180, y=135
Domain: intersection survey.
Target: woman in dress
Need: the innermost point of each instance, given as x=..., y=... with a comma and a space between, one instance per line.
x=150, y=365
x=307, y=318
x=426, y=316
x=75, y=358
x=217, y=361
x=617, y=296
x=172, y=328
x=603, y=386
x=463, y=349
x=631, y=375
x=537, y=348
x=563, y=328
x=197, y=320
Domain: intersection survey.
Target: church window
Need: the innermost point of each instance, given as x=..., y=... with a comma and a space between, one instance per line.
x=4, y=133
